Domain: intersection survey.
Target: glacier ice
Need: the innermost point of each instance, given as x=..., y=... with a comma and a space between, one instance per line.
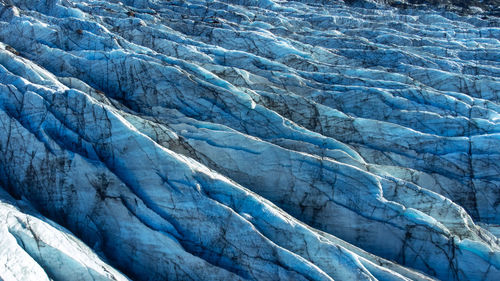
x=248, y=140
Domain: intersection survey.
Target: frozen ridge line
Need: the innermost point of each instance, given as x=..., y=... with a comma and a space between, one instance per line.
x=248, y=140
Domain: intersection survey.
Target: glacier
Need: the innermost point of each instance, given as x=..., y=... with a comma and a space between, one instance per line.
x=249, y=140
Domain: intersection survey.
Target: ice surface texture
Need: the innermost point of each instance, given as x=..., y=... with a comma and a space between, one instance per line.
x=247, y=140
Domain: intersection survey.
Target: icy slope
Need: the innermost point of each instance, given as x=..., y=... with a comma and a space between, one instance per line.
x=33, y=248
x=250, y=140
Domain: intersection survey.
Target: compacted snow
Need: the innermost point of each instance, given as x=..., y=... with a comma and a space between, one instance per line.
x=248, y=140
